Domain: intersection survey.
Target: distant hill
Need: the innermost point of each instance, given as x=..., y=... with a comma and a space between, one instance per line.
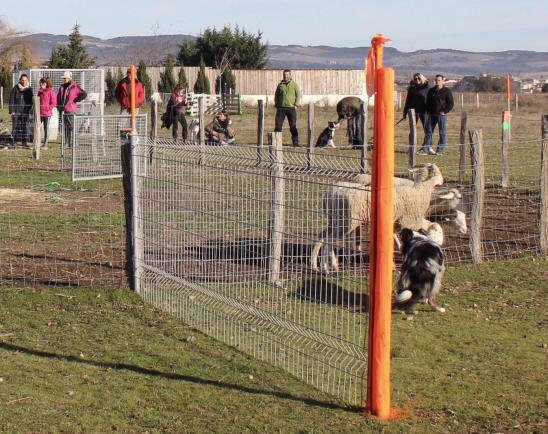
x=452, y=63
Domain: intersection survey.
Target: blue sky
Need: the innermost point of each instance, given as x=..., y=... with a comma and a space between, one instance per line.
x=470, y=25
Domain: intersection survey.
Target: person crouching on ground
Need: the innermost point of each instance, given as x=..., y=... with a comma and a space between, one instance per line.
x=123, y=94
x=177, y=108
x=48, y=101
x=220, y=131
x=67, y=98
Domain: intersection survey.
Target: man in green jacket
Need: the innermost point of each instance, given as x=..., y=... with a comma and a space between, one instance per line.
x=288, y=96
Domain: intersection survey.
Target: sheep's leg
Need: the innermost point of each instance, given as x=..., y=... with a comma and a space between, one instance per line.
x=320, y=241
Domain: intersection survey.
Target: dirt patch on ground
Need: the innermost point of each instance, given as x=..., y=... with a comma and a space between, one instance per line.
x=18, y=200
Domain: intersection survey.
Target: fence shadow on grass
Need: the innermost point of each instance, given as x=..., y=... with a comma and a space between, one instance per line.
x=322, y=290
x=172, y=376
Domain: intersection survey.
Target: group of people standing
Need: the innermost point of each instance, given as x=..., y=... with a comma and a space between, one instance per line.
x=431, y=105
x=65, y=100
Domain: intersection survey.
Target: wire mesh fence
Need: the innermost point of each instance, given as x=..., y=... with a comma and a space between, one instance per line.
x=207, y=257
x=96, y=144
x=208, y=237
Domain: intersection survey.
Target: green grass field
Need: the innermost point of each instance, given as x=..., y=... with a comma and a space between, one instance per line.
x=90, y=359
x=93, y=360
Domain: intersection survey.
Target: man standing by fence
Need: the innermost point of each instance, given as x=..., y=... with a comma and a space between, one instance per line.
x=287, y=97
x=123, y=94
x=439, y=102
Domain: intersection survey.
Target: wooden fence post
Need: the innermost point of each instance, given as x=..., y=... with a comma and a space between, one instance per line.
x=277, y=210
x=36, y=138
x=363, y=128
x=128, y=208
x=202, y=126
x=1, y=97
x=310, y=150
x=516, y=101
x=505, y=145
x=153, y=128
x=477, y=100
x=412, y=139
x=462, y=146
x=478, y=190
x=543, y=224
x=260, y=131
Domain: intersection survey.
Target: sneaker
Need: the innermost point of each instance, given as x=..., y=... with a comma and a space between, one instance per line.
x=432, y=152
x=422, y=152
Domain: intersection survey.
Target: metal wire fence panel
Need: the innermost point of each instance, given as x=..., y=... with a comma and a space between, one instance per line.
x=91, y=80
x=96, y=144
x=207, y=254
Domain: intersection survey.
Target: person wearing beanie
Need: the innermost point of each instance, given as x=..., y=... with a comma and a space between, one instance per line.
x=67, y=98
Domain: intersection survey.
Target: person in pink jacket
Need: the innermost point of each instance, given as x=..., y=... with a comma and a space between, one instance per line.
x=48, y=101
x=67, y=98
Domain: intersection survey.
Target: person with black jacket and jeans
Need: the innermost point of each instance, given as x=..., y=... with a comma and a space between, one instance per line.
x=20, y=109
x=416, y=98
x=439, y=102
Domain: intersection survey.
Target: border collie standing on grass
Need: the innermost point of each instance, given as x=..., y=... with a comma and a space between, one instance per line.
x=421, y=271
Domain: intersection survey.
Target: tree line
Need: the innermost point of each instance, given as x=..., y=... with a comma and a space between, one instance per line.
x=225, y=49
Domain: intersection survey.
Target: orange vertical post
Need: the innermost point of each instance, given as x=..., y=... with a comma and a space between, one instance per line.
x=132, y=94
x=508, y=90
x=382, y=253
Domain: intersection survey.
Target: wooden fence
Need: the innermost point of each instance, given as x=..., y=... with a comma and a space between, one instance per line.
x=264, y=82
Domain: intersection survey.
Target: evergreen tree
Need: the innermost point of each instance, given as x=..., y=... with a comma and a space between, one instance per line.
x=119, y=75
x=72, y=56
x=202, y=83
x=182, y=77
x=144, y=78
x=236, y=49
x=110, y=84
x=167, y=82
x=55, y=61
x=228, y=82
x=6, y=80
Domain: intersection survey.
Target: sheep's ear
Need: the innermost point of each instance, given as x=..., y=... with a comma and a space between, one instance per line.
x=446, y=195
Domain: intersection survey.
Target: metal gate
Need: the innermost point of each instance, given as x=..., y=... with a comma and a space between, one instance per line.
x=96, y=144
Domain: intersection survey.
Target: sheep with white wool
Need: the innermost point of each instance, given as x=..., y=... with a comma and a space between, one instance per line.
x=447, y=204
x=347, y=206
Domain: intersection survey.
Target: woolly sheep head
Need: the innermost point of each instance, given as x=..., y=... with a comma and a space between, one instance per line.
x=427, y=172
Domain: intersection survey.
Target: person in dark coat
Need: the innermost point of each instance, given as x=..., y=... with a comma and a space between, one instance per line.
x=439, y=102
x=416, y=98
x=350, y=108
x=20, y=108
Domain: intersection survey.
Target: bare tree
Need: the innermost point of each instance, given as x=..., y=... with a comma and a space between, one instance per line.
x=12, y=45
x=222, y=63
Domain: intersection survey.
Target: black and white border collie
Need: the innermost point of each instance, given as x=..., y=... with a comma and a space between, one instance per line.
x=326, y=137
x=421, y=271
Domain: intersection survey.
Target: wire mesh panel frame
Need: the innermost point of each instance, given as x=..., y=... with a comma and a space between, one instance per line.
x=96, y=144
x=206, y=231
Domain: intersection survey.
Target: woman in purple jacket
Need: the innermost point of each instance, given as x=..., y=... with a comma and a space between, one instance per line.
x=48, y=101
x=68, y=96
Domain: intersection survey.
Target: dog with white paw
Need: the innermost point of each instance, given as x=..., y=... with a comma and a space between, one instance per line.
x=421, y=271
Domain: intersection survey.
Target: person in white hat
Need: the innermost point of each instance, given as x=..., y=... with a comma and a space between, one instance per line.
x=67, y=98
